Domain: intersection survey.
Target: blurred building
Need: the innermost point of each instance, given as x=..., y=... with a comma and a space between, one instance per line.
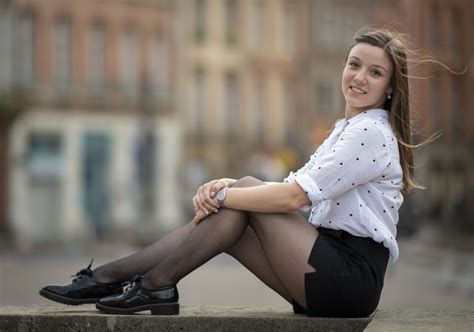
x=331, y=27
x=443, y=102
x=447, y=28
x=240, y=80
x=255, y=86
x=97, y=150
x=267, y=74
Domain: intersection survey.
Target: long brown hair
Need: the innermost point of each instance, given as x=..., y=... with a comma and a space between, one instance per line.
x=395, y=45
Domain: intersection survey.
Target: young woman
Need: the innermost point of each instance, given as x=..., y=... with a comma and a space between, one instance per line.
x=333, y=265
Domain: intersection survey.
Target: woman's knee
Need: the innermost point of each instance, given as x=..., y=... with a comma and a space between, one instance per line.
x=248, y=181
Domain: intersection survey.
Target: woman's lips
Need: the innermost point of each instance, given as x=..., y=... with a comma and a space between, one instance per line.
x=357, y=90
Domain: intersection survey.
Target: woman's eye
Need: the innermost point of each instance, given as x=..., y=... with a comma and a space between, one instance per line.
x=352, y=64
x=376, y=73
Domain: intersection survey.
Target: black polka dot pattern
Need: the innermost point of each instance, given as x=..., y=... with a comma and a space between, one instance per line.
x=355, y=161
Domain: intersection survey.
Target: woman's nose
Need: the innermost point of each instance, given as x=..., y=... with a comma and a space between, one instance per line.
x=360, y=77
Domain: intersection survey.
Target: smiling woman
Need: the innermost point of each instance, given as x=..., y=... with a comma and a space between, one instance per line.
x=366, y=79
x=333, y=265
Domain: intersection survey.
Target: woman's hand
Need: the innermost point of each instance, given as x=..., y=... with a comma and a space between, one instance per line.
x=205, y=199
x=200, y=215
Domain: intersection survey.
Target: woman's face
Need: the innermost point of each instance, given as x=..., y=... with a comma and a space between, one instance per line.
x=366, y=78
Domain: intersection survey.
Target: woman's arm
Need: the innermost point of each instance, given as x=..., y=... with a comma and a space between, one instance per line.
x=273, y=197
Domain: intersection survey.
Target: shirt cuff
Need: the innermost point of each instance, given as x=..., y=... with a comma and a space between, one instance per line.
x=310, y=187
x=290, y=178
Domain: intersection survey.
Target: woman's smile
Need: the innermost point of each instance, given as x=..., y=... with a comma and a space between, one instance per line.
x=357, y=90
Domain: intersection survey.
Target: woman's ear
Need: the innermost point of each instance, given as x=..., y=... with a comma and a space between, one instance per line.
x=389, y=91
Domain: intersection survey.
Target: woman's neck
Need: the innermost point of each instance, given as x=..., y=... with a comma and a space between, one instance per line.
x=352, y=111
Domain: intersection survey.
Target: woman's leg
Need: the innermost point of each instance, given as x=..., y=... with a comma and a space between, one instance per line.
x=286, y=240
x=248, y=251
x=124, y=269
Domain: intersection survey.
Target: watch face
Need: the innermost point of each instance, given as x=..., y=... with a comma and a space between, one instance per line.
x=221, y=195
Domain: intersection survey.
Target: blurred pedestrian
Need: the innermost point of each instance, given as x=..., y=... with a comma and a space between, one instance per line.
x=333, y=265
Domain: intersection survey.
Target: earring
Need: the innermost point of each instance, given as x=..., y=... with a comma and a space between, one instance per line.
x=389, y=96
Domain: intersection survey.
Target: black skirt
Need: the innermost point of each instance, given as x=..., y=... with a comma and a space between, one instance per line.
x=349, y=275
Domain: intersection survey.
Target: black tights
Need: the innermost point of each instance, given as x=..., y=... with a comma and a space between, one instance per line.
x=274, y=247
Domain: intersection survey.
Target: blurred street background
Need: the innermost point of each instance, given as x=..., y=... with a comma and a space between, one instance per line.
x=112, y=113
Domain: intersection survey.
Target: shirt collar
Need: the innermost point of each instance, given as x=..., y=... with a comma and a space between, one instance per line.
x=371, y=114
x=375, y=113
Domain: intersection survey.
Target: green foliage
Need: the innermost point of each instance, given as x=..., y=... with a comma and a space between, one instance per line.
x=12, y=102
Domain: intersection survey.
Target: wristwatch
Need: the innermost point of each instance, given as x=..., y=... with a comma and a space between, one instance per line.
x=221, y=195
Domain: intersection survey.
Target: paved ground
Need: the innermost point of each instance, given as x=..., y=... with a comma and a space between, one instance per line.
x=427, y=276
x=227, y=318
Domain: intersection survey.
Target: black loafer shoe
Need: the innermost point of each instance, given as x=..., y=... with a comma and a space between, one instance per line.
x=135, y=298
x=83, y=289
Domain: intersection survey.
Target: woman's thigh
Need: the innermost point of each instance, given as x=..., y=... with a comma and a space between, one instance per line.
x=249, y=252
x=287, y=239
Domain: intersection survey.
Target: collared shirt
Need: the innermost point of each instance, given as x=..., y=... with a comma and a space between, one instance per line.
x=354, y=179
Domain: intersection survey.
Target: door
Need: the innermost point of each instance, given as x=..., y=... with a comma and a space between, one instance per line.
x=96, y=181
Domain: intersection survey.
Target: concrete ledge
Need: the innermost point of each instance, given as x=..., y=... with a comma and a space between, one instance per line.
x=209, y=318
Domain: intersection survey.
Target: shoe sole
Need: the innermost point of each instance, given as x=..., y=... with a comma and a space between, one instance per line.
x=156, y=309
x=65, y=300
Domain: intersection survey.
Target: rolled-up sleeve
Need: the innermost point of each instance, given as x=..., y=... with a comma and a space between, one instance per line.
x=359, y=155
x=302, y=171
x=292, y=176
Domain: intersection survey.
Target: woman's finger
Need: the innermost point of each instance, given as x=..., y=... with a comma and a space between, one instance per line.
x=195, y=203
x=211, y=192
x=205, y=201
x=202, y=201
x=199, y=203
x=219, y=185
x=199, y=217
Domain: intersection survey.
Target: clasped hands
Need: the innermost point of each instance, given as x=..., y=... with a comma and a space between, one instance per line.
x=205, y=202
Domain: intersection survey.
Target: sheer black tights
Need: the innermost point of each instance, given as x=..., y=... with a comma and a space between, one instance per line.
x=274, y=247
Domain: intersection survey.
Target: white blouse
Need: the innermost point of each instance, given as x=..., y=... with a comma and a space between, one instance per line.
x=354, y=179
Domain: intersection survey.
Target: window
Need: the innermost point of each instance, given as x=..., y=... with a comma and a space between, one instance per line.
x=159, y=65
x=231, y=104
x=289, y=116
x=434, y=27
x=44, y=156
x=456, y=32
x=96, y=57
x=458, y=115
x=96, y=179
x=62, y=54
x=352, y=22
x=288, y=34
x=470, y=34
x=258, y=33
x=260, y=112
x=198, y=106
x=324, y=96
x=145, y=165
x=25, y=55
x=128, y=59
x=231, y=21
x=200, y=19
x=6, y=51
x=326, y=30
x=435, y=110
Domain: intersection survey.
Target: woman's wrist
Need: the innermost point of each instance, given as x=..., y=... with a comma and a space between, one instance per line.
x=229, y=182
